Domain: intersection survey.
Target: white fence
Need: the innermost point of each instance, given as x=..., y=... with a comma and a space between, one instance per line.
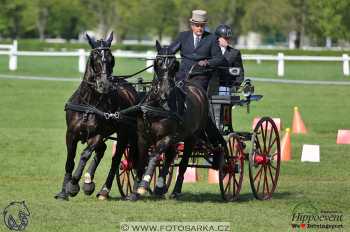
x=13, y=53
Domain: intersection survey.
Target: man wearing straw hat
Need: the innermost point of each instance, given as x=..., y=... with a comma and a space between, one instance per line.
x=199, y=49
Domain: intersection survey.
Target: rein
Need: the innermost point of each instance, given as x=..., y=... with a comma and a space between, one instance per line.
x=131, y=75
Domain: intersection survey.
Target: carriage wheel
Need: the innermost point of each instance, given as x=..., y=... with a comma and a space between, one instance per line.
x=264, y=159
x=231, y=172
x=125, y=175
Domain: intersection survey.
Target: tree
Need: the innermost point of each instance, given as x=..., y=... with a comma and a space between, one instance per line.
x=104, y=12
x=267, y=16
x=163, y=18
x=328, y=18
x=11, y=12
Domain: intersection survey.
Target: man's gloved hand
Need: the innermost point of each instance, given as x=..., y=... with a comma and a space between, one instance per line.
x=203, y=63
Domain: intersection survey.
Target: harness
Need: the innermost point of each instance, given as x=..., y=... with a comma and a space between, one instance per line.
x=88, y=109
x=149, y=112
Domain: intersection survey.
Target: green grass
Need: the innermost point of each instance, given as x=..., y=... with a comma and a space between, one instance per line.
x=32, y=132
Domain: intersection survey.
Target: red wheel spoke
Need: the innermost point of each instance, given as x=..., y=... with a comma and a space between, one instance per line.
x=273, y=182
x=257, y=142
x=264, y=183
x=123, y=180
x=233, y=186
x=273, y=166
x=236, y=183
x=267, y=182
x=274, y=154
x=271, y=145
x=258, y=173
x=264, y=135
x=122, y=172
x=257, y=189
x=127, y=184
x=228, y=182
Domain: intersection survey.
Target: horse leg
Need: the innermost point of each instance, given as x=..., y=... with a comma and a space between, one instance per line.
x=116, y=157
x=71, y=144
x=161, y=187
x=189, y=143
x=73, y=187
x=141, y=162
x=161, y=146
x=89, y=185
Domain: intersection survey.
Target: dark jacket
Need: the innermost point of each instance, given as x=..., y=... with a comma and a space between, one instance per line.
x=207, y=48
x=233, y=58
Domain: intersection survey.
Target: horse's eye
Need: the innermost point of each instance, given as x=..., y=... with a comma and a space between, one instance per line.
x=95, y=54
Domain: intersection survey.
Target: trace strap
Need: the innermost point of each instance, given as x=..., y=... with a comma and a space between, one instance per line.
x=93, y=110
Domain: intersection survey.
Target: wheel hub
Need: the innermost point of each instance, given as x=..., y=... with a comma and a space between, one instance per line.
x=125, y=165
x=261, y=159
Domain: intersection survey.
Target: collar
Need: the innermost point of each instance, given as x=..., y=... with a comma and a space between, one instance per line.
x=195, y=36
x=223, y=49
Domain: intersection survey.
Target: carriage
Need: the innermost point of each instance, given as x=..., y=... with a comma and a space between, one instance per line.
x=96, y=110
x=260, y=148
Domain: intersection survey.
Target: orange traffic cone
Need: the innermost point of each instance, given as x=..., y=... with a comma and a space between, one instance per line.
x=213, y=176
x=298, y=124
x=286, y=147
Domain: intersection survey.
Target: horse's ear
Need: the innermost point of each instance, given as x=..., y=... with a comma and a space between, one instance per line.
x=92, y=41
x=110, y=39
x=158, y=46
x=175, y=47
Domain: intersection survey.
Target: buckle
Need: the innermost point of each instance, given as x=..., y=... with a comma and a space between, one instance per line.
x=116, y=115
x=180, y=84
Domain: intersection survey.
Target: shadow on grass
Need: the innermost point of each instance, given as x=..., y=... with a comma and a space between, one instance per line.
x=204, y=197
x=213, y=197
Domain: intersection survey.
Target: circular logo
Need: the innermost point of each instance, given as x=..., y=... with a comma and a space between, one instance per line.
x=124, y=227
x=16, y=216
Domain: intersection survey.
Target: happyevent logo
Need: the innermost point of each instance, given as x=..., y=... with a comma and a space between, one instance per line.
x=306, y=216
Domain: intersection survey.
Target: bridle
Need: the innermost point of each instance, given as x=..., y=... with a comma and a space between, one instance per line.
x=101, y=50
x=166, y=59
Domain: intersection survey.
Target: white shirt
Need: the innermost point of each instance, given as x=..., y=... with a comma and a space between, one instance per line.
x=223, y=49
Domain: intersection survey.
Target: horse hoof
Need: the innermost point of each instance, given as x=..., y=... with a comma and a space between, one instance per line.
x=175, y=195
x=73, y=189
x=141, y=190
x=62, y=196
x=89, y=188
x=102, y=197
x=160, y=191
x=132, y=197
x=103, y=194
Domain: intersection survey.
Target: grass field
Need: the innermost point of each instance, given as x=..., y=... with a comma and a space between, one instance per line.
x=32, y=132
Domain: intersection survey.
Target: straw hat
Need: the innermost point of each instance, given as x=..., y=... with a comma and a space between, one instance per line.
x=199, y=16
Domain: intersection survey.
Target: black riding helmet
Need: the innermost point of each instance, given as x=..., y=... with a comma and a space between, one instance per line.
x=223, y=31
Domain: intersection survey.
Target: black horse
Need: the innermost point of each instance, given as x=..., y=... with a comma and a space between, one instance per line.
x=98, y=92
x=163, y=125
